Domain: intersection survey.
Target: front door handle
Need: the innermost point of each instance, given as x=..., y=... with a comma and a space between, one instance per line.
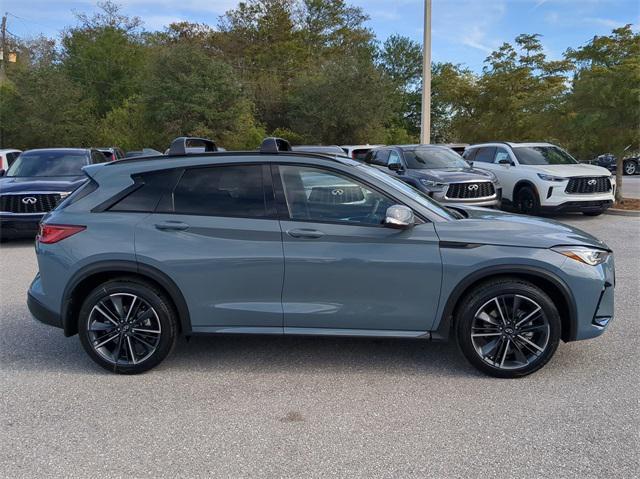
x=305, y=233
x=171, y=226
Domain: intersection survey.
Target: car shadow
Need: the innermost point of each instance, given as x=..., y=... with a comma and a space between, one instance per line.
x=38, y=348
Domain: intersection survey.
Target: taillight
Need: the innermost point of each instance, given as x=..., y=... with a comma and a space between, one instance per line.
x=53, y=233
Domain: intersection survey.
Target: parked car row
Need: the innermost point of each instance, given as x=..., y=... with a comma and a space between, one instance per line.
x=288, y=242
x=530, y=178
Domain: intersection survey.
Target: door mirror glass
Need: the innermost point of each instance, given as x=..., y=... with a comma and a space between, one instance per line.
x=399, y=216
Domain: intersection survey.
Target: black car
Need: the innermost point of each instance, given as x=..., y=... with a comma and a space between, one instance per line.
x=439, y=172
x=36, y=182
x=630, y=165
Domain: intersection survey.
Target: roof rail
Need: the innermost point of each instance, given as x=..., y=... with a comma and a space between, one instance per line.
x=274, y=145
x=181, y=145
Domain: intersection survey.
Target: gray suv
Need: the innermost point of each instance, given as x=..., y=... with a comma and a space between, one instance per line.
x=439, y=172
x=280, y=242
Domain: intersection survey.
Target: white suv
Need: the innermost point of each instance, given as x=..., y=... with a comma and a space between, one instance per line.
x=541, y=177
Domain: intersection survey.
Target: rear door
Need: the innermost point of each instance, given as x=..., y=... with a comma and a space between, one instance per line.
x=217, y=237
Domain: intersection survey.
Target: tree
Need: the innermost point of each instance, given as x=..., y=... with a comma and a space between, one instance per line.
x=102, y=55
x=603, y=109
x=188, y=93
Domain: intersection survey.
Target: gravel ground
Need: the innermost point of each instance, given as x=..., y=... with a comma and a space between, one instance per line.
x=265, y=407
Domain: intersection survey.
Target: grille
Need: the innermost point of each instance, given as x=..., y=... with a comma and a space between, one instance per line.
x=588, y=184
x=336, y=195
x=44, y=202
x=470, y=190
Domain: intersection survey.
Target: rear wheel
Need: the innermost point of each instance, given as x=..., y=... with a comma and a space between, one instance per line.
x=127, y=326
x=630, y=167
x=527, y=201
x=508, y=328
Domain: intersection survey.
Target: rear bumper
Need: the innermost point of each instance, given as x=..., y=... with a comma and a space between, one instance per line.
x=42, y=313
x=19, y=226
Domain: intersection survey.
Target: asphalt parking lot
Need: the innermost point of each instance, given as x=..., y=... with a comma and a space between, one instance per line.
x=265, y=407
x=631, y=186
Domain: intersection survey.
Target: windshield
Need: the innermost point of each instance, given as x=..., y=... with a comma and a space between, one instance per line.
x=433, y=158
x=49, y=163
x=410, y=191
x=543, y=155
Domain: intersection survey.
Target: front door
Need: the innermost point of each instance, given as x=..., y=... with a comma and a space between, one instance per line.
x=344, y=270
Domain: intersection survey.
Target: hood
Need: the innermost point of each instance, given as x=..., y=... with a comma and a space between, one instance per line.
x=487, y=226
x=571, y=170
x=19, y=184
x=452, y=175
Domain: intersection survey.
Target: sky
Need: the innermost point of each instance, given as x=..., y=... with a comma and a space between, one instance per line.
x=464, y=31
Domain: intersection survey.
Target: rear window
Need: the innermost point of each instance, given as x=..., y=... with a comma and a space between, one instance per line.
x=147, y=191
x=82, y=191
x=221, y=191
x=49, y=163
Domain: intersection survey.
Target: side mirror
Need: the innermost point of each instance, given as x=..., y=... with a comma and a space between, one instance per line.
x=400, y=217
x=470, y=163
x=2, y=172
x=395, y=166
x=505, y=161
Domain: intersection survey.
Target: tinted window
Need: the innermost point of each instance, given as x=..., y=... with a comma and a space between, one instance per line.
x=469, y=155
x=82, y=191
x=97, y=157
x=424, y=158
x=360, y=154
x=148, y=190
x=11, y=157
x=221, y=191
x=543, y=155
x=485, y=154
x=313, y=194
x=49, y=163
x=380, y=157
x=394, y=157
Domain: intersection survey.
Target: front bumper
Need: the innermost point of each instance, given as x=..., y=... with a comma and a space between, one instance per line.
x=578, y=206
x=19, y=226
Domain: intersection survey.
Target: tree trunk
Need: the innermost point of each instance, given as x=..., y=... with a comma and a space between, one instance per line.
x=619, y=164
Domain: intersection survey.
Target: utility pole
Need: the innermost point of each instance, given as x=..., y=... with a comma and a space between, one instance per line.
x=425, y=122
x=3, y=39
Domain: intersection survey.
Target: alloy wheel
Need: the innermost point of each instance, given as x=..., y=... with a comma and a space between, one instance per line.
x=124, y=329
x=510, y=331
x=630, y=168
x=526, y=202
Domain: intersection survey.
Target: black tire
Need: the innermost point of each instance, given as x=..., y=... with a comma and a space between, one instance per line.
x=592, y=213
x=629, y=167
x=150, y=334
x=527, y=201
x=543, y=331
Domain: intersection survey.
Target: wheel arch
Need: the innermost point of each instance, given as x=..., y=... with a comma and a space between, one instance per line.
x=88, y=277
x=522, y=183
x=546, y=280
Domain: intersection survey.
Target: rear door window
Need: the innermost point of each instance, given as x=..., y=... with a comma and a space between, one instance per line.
x=381, y=158
x=235, y=190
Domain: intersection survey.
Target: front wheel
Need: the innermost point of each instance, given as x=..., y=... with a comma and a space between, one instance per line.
x=527, y=201
x=508, y=328
x=127, y=326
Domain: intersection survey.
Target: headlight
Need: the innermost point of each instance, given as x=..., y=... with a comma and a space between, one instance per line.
x=550, y=177
x=432, y=184
x=584, y=254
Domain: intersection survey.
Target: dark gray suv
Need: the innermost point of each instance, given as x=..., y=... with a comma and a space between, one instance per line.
x=279, y=242
x=439, y=172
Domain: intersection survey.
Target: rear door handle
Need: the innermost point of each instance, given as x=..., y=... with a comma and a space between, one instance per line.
x=305, y=233
x=171, y=226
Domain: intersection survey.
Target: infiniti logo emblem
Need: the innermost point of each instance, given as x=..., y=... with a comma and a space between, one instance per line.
x=591, y=182
x=29, y=200
x=337, y=192
x=472, y=187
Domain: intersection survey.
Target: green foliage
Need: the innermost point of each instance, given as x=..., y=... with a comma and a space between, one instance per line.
x=309, y=71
